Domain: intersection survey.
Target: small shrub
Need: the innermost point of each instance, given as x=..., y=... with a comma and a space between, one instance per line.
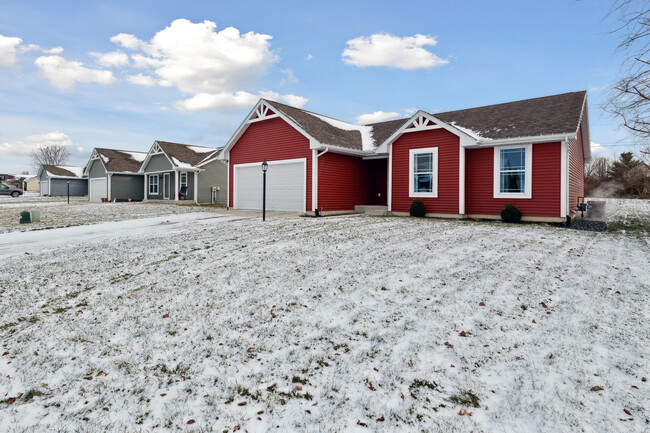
x=511, y=214
x=417, y=209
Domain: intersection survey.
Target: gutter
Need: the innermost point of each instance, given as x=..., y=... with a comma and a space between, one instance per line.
x=518, y=140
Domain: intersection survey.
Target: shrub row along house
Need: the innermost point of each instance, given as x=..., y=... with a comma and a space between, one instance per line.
x=461, y=164
x=169, y=171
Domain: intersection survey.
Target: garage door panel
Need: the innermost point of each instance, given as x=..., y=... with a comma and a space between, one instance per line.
x=285, y=187
x=98, y=189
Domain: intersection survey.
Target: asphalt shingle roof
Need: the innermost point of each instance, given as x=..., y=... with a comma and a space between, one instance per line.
x=187, y=154
x=121, y=161
x=556, y=114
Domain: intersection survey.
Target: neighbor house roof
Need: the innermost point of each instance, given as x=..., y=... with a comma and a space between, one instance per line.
x=63, y=170
x=549, y=115
x=185, y=155
x=121, y=161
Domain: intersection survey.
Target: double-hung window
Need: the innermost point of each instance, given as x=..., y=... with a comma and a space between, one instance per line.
x=153, y=184
x=423, y=172
x=513, y=171
x=183, y=179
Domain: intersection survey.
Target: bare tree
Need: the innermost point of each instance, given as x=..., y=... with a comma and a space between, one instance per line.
x=50, y=154
x=630, y=96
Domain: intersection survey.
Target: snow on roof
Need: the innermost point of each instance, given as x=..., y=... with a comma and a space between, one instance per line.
x=200, y=149
x=105, y=158
x=180, y=164
x=474, y=134
x=52, y=169
x=367, y=142
x=138, y=156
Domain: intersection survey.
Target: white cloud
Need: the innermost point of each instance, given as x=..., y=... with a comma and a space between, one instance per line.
x=309, y=57
x=127, y=41
x=595, y=147
x=382, y=49
x=112, y=59
x=26, y=145
x=289, y=78
x=235, y=101
x=293, y=100
x=219, y=69
x=141, y=80
x=8, y=50
x=377, y=116
x=33, y=47
x=64, y=74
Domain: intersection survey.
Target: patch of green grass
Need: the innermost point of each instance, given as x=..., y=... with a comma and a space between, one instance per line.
x=467, y=398
x=417, y=383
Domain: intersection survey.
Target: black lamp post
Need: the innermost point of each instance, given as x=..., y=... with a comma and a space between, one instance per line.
x=265, y=166
x=68, y=191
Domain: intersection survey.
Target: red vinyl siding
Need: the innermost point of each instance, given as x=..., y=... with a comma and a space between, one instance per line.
x=448, y=146
x=576, y=171
x=545, y=201
x=270, y=140
x=343, y=182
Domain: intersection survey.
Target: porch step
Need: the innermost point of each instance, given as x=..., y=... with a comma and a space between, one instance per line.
x=372, y=210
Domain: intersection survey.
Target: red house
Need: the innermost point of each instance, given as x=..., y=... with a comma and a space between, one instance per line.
x=461, y=164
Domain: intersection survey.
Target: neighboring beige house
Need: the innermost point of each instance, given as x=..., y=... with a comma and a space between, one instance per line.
x=32, y=184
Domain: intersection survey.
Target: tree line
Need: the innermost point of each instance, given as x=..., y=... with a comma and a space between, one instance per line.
x=626, y=176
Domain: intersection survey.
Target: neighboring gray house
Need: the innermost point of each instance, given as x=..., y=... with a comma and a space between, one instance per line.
x=114, y=175
x=171, y=168
x=54, y=180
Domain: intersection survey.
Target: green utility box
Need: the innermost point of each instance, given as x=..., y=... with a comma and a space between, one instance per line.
x=36, y=216
x=25, y=217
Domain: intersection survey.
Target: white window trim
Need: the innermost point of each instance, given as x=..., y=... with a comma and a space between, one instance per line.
x=157, y=184
x=528, y=173
x=434, y=178
x=181, y=179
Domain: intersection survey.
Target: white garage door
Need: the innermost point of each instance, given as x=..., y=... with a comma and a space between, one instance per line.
x=98, y=189
x=45, y=187
x=285, y=186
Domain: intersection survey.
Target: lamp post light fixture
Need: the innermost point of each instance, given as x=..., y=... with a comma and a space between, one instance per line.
x=265, y=166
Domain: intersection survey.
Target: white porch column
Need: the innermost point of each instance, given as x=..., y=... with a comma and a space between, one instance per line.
x=196, y=183
x=390, y=176
x=314, y=179
x=176, y=185
x=461, y=181
x=146, y=179
x=109, y=180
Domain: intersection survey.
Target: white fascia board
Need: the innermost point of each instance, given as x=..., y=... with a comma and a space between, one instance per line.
x=129, y=173
x=465, y=139
x=343, y=150
x=526, y=140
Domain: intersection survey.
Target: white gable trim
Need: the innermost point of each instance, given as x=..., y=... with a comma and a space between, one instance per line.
x=94, y=156
x=155, y=150
x=422, y=121
x=260, y=113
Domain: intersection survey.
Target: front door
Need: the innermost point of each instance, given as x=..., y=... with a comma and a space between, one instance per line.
x=166, y=186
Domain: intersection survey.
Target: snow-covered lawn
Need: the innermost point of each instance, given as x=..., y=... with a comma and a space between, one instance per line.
x=55, y=214
x=334, y=324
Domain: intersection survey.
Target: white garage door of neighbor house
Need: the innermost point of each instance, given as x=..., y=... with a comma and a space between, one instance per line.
x=285, y=187
x=44, y=187
x=98, y=189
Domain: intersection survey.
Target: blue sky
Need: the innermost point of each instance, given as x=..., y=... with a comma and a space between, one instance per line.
x=174, y=74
